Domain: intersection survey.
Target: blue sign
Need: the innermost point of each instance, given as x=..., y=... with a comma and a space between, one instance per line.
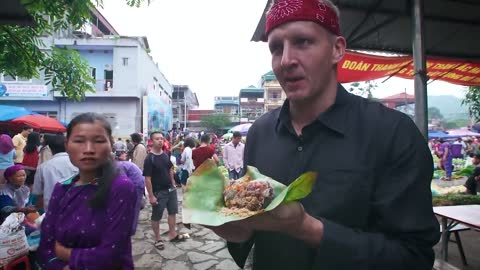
x=3, y=90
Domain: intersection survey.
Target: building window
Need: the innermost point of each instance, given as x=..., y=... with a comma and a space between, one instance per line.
x=8, y=78
x=93, y=72
x=274, y=94
x=108, y=75
x=125, y=61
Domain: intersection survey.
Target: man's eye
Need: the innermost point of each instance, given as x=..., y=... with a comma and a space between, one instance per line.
x=275, y=49
x=303, y=41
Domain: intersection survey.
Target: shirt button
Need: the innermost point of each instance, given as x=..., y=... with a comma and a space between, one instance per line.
x=299, y=149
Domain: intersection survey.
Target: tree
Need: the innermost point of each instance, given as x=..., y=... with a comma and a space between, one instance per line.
x=24, y=54
x=215, y=122
x=472, y=100
x=456, y=123
x=363, y=89
x=434, y=113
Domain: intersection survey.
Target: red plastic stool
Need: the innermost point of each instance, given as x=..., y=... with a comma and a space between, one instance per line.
x=18, y=262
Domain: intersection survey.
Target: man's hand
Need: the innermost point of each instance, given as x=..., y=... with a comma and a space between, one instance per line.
x=287, y=218
x=232, y=232
x=153, y=200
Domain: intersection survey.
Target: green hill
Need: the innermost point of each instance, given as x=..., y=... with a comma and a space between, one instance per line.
x=450, y=106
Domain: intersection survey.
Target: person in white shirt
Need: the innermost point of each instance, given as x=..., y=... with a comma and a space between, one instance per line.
x=186, y=161
x=233, y=156
x=57, y=169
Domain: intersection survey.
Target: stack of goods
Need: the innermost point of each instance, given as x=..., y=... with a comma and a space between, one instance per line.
x=436, y=190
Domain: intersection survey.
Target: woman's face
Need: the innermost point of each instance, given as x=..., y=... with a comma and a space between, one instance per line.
x=18, y=179
x=89, y=146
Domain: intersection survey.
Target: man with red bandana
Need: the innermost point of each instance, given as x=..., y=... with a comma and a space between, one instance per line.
x=371, y=205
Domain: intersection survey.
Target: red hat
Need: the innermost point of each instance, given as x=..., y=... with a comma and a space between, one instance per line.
x=318, y=11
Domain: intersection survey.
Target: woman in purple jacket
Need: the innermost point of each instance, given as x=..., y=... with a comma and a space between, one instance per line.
x=89, y=222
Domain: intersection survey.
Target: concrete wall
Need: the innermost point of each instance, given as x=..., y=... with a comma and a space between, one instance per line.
x=126, y=77
x=100, y=60
x=151, y=78
x=124, y=114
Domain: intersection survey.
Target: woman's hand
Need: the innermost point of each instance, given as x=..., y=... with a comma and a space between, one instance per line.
x=63, y=253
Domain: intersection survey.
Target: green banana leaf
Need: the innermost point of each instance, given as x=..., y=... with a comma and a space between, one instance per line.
x=203, y=197
x=467, y=171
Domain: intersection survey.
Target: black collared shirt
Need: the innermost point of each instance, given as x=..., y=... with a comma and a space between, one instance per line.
x=372, y=192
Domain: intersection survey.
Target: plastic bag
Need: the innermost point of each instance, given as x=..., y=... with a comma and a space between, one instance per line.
x=13, y=240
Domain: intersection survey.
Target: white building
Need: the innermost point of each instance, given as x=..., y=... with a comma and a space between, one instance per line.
x=131, y=91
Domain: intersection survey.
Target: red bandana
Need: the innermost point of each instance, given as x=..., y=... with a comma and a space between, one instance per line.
x=284, y=11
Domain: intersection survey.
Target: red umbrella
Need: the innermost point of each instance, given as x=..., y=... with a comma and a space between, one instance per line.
x=40, y=122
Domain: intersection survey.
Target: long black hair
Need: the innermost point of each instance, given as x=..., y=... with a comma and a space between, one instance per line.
x=107, y=172
x=33, y=141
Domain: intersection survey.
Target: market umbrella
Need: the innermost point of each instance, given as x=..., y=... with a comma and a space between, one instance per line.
x=40, y=122
x=440, y=135
x=463, y=132
x=11, y=112
x=242, y=128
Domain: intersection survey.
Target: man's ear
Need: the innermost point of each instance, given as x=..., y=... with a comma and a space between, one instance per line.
x=339, y=47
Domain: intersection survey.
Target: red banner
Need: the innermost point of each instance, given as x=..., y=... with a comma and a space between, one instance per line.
x=356, y=67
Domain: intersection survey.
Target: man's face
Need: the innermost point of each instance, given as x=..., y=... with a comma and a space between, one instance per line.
x=26, y=132
x=236, y=140
x=304, y=55
x=157, y=141
x=476, y=160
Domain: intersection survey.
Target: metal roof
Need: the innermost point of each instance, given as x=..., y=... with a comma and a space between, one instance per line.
x=13, y=12
x=451, y=27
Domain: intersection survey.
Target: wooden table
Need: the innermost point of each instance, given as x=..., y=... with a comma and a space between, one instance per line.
x=468, y=215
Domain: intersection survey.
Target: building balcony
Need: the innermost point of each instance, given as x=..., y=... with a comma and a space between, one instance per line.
x=274, y=101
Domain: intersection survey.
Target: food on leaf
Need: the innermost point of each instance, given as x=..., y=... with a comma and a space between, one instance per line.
x=248, y=194
x=211, y=199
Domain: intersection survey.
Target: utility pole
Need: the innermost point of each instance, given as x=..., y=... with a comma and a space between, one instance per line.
x=185, y=111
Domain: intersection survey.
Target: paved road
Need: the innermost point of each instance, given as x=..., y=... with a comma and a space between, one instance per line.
x=203, y=251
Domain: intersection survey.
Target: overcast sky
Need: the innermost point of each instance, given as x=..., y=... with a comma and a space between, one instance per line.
x=206, y=45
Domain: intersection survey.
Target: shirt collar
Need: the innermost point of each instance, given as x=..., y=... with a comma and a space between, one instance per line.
x=333, y=118
x=60, y=154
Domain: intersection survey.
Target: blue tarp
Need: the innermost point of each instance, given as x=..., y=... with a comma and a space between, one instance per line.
x=8, y=113
x=440, y=134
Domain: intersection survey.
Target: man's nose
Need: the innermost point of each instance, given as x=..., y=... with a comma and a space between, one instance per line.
x=288, y=56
